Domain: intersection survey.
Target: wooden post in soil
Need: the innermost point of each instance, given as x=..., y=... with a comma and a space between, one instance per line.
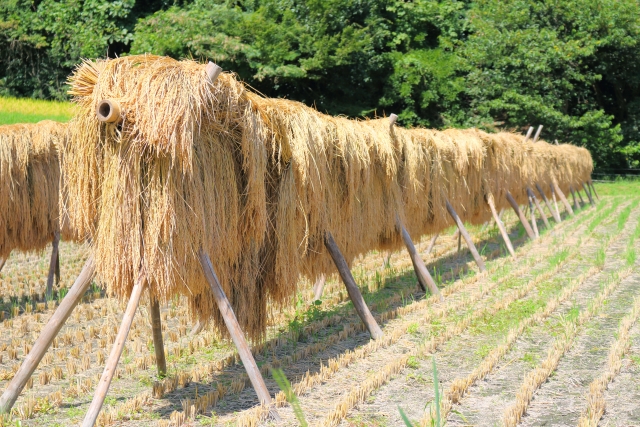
x=555, y=201
x=116, y=351
x=576, y=206
x=52, y=265
x=546, y=201
x=432, y=243
x=594, y=189
x=534, y=223
x=586, y=190
x=236, y=333
x=467, y=238
x=532, y=195
x=156, y=329
x=352, y=288
x=520, y=214
x=49, y=332
x=503, y=230
x=318, y=287
x=424, y=277
x=565, y=202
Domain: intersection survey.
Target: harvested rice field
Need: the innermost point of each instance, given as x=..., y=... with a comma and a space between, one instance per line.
x=551, y=338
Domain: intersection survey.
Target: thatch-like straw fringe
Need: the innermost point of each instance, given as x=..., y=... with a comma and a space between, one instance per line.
x=30, y=186
x=258, y=182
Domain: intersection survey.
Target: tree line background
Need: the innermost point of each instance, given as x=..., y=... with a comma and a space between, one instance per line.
x=569, y=65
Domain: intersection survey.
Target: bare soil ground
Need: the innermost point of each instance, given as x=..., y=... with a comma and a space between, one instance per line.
x=340, y=376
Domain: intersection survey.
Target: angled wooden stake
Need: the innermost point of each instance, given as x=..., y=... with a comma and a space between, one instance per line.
x=432, y=243
x=535, y=138
x=537, y=203
x=197, y=328
x=594, y=189
x=52, y=265
x=586, y=190
x=352, y=288
x=546, y=201
x=235, y=331
x=523, y=219
x=503, y=230
x=575, y=201
x=49, y=332
x=459, y=241
x=529, y=132
x=318, y=287
x=534, y=223
x=2, y=262
x=58, y=268
x=467, y=238
x=581, y=199
x=555, y=202
x=424, y=277
x=116, y=351
x=156, y=329
x=565, y=202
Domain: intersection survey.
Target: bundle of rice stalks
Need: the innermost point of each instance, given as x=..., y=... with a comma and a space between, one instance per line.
x=255, y=182
x=30, y=186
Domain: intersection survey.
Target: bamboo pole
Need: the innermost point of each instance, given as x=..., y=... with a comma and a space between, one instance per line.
x=529, y=132
x=424, y=277
x=565, y=202
x=116, y=352
x=156, y=329
x=534, y=223
x=535, y=138
x=546, y=201
x=49, y=332
x=467, y=238
x=532, y=195
x=52, y=265
x=432, y=243
x=235, y=331
x=318, y=287
x=586, y=190
x=503, y=230
x=523, y=219
x=352, y=288
x=555, y=202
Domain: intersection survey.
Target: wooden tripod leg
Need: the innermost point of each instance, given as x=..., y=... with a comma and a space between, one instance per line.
x=58, y=268
x=2, y=262
x=593, y=187
x=318, y=287
x=576, y=206
x=546, y=201
x=432, y=243
x=586, y=190
x=236, y=333
x=503, y=230
x=555, y=202
x=581, y=199
x=523, y=219
x=52, y=265
x=532, y=195
x=116, y=352
x=459, y=241
x=534, y=223
x=352, y=288
x=158, y=344
x=565, y=202
x=46, y=337
x=197, y=328
x=424, y=278
x=467, y=238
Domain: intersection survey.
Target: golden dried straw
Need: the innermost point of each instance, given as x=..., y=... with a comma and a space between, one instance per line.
x=257, y=183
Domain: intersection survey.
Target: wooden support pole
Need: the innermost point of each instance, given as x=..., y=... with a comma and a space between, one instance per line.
x=198, y=327
x=503, y=230
x=58, y=268
x=532, y=195
x=546, y=201
x=432, y=243
x=318, y=287
x=565, y=202
x=594, y=189
x=424, y=277
x=529, y=132
x=2, y=262
x=523, y=219
x=116, y=351
x=467, y=238
x=386, y=259
x=236, y=333
x=535, y=138
x=52, y=265
x=581, y=199
x=586, y=190
x=576, y=206
x=352, y=288
x=534, y=223
x=156, y=329
x=459, y=242
x=49, y=332
x=555, y=201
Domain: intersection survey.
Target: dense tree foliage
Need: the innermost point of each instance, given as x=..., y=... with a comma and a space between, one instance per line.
x=569, y=65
